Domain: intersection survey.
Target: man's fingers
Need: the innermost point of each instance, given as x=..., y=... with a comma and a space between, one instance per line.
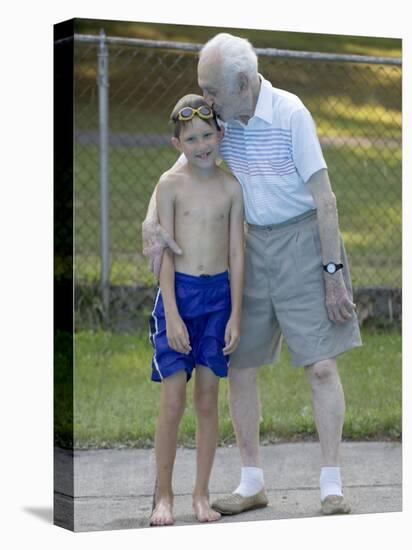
x=174, y=247
x=339, y=318
x=346, y=309
x=339, y=313
x=155, y=241
x=331, y=313
x=346, y=312
x=169, y=242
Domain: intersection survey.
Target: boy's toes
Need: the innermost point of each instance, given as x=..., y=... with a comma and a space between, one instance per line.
x=162, y=514
x=203, y=511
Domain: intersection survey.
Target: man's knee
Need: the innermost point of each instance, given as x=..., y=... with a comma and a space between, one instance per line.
x=322, y=372
x=242, y=378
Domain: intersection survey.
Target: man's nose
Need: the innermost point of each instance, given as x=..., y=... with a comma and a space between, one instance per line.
x=209, y=99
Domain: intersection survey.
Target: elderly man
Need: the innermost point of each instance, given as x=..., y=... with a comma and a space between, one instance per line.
x=297, y=281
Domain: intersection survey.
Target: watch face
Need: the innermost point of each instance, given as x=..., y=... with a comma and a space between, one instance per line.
x=331, y=268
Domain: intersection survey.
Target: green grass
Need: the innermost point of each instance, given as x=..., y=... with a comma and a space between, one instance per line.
x=117, y=404
x=63, y=389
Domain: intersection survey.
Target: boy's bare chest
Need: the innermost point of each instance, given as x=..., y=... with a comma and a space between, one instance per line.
x=199, y=209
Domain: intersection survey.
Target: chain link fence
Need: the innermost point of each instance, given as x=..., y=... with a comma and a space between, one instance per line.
x=356, y=103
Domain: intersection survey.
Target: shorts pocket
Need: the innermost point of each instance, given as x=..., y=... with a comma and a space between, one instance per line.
x=308, y=255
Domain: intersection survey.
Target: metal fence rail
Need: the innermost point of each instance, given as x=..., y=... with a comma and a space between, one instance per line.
x=124, y=92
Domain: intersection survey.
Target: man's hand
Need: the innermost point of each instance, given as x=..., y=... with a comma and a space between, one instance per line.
x=177, y=334
x=338, y=303
x=232, y=335
x=155, y=240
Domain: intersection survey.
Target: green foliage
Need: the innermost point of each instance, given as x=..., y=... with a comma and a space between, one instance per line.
x=335, y=43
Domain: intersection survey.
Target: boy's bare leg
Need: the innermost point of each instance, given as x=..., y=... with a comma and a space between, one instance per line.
x=172, y=405
x=205, y=399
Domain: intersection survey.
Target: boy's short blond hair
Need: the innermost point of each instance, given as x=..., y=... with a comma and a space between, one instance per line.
x=190, y=100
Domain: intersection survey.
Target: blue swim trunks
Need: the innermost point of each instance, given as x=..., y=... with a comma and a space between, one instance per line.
x=204, y=305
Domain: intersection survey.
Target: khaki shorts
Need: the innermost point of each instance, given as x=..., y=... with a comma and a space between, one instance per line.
x=284, y=295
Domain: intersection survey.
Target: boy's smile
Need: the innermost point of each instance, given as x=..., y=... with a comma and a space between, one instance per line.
x=199, y=141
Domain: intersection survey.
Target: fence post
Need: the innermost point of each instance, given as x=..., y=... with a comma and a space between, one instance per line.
x=103, y=88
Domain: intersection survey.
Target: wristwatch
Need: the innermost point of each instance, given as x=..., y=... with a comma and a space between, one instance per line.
x=332, y=267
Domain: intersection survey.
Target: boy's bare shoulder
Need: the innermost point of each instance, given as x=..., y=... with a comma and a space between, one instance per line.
x=167, y=183
x=231, y=183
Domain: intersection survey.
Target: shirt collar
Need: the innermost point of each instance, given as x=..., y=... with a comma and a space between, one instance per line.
x=263, y=108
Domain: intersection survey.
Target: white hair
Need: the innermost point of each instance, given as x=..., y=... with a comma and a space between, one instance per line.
x=236, y=54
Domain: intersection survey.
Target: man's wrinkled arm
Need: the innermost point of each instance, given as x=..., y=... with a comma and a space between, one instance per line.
x=152, y=247
x=150, y=220
x=151, y=214
x=155, y=238
x=325, y=200
x=338, y=303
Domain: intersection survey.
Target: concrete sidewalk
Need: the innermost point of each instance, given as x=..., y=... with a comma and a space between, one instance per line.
x=113, y=488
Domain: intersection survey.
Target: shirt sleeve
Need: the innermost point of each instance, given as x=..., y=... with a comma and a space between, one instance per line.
x=306, y=150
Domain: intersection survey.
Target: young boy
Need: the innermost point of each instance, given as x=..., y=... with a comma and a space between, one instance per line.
x=196, y=318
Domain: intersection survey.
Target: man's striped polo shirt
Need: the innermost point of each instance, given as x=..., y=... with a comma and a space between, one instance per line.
x=273, y=156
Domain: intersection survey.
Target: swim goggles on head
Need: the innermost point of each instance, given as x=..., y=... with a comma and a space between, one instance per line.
x=187, y=113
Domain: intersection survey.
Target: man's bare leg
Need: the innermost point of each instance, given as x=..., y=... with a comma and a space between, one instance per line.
x=329, y=412
x=172, y=405
x=328, y=406
x=245, y=412
x=205, y=400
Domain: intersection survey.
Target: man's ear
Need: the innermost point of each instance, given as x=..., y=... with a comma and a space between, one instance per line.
x=243, y=82
x=220, y=133
x=176, y=143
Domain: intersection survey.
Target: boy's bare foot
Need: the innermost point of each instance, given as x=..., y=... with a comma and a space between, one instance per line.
x=163, y=512
x=203, y=510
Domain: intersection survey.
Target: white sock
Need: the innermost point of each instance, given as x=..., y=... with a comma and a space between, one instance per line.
x=251, y=481
x=330, y=481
